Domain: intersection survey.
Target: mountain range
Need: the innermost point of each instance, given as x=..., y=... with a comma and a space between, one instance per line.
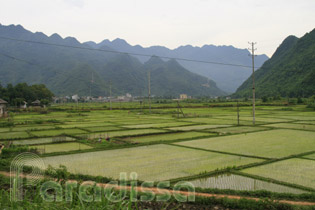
x=228, y=78
x=80, y=69
x=290, y=72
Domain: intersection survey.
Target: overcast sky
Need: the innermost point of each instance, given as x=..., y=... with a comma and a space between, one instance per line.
x=169, y=23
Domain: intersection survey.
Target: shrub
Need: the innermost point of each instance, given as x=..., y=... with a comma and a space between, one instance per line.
x=264, y=99
x=300, y=101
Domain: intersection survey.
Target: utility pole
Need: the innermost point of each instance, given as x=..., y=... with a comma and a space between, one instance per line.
x=149, y=87
x=238, y=113
x=253, y=75
x=177, y=109
x=92, y=80
x=110, y=94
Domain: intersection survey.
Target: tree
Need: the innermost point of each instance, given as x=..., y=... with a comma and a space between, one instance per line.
x=16, y=95
x=264, y=99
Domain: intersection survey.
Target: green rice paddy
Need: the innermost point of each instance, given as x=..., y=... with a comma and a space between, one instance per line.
x=197, y=127
x=13, y=135
x=270, y=144
x=122, y=133
x=168, y=137
x=296, y=171
x=151, y=163
x=57, y=132
x=237, y=129
x=62, y=147
x=237, y=182
x=46, y=140
x=157, y=125
x=293, y=126
x=161, y=146
x=312, y=156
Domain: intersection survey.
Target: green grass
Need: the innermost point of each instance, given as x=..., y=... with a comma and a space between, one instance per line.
x=122, y=133
x=296, y=171
x=270, y=144
x=13, y=135
x=237, y=182
x=57, y=132
x=62, y=147
x=168, y=137
x=196, y=127
x=42, y=140
x=237, y=129
x=151, y=163
x=293, y=126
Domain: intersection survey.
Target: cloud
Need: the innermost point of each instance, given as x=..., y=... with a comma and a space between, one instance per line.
x=75, y=3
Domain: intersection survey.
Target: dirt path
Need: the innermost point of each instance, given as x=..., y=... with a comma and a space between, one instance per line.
x=208, y=195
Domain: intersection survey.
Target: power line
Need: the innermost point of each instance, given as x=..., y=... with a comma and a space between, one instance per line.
x=128, y=53
x=18, y=59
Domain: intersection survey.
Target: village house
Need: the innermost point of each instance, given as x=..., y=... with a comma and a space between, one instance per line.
x=3, y=106
x=183, y=96
x=36, y=103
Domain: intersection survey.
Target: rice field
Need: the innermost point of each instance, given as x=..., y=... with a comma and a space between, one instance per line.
x=312, y=156
x=210, y=120
x=151, y=163
x=168, y=137
x=278, y=133
x=42, y=140
x=306, y=122
x=102, y=128
x=13, y=135
x=237, y=182
x=296, y=171
x=196, y=127
x=57, y=132
x=85, y=124
x=122, y=133
x=224, y=121
x=293, y=126
x=61, y=147
x=269, y=144
x=157, y=125
x=257, y=119
x=27, y=128
x=237, y=129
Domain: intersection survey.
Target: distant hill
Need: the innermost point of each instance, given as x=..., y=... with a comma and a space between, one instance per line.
x=290, y=72
x=170, y=78
x=228, y=78
x=67, y=71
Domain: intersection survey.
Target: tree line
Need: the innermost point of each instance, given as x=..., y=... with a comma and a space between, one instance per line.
x=22, y=92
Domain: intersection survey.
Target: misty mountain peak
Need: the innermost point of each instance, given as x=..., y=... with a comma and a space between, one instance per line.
x=173, y=62
x=120, y=42
x=71, y=40
x=56, y=37
x=154, y=60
